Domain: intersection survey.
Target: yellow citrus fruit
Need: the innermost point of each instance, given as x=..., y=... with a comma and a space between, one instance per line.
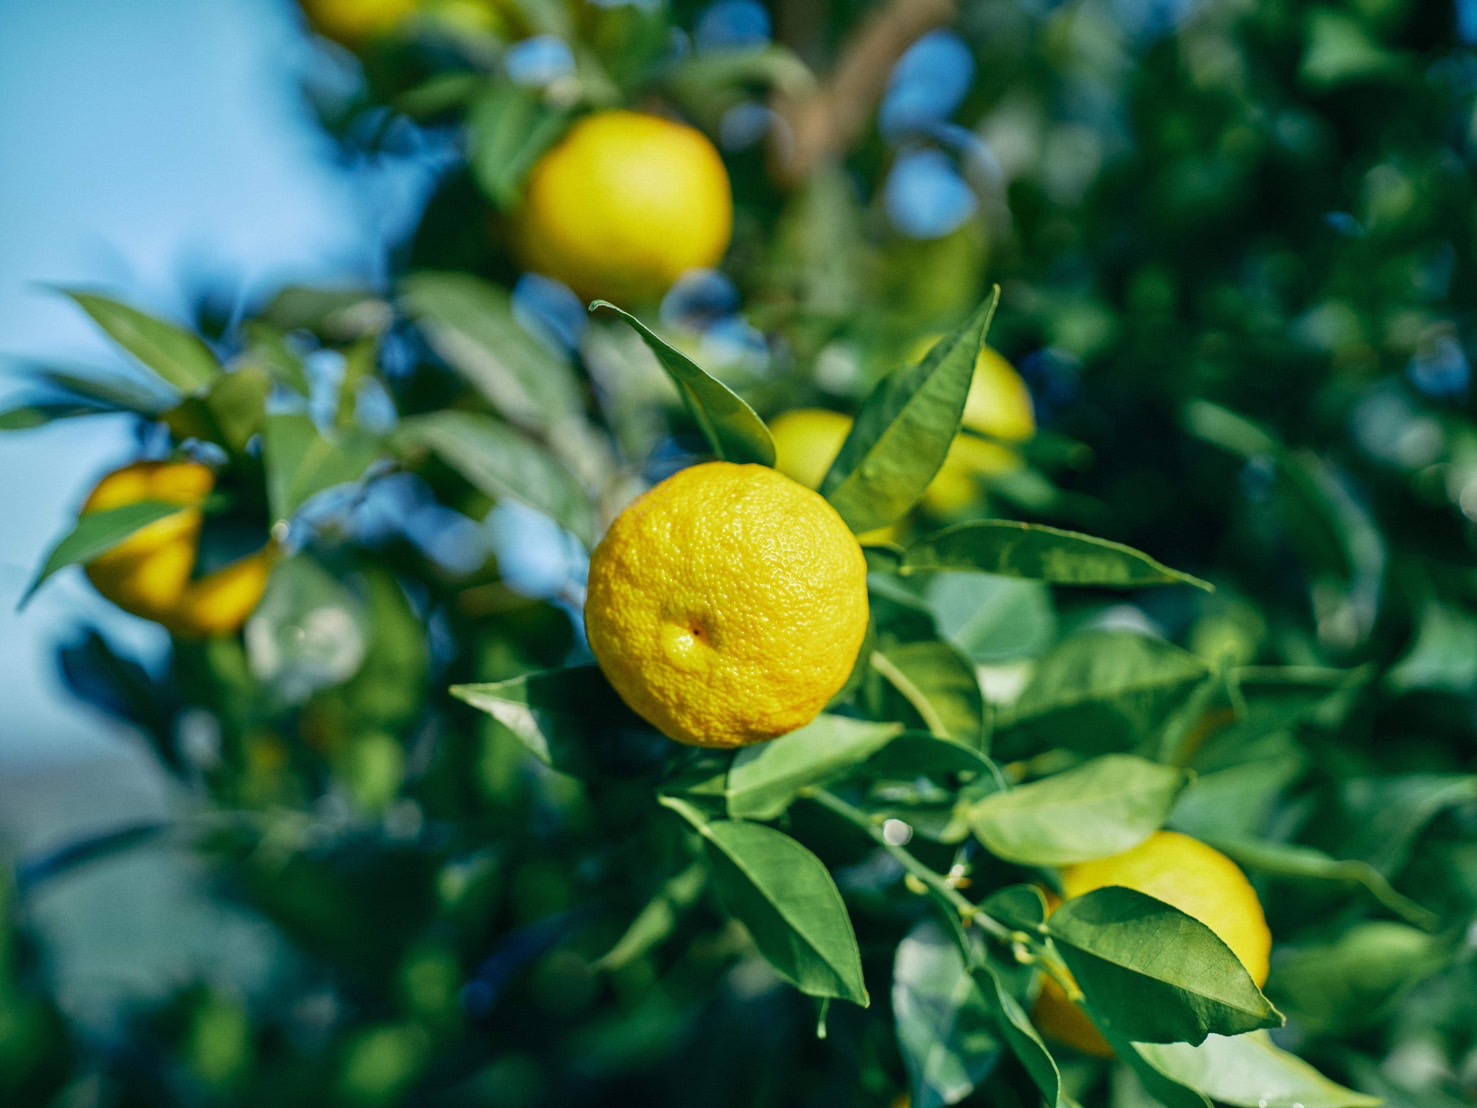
x=728, y=605
x=624, y=205
x=1198, y=880
x=151, y=572
x=352, y=22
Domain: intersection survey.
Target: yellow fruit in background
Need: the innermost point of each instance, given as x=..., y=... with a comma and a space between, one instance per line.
x=1198, y=880
x=150, y=572
x=352, y=22
x=727, y=605
x=624, y=205
x=998, y=406
x=806, y=442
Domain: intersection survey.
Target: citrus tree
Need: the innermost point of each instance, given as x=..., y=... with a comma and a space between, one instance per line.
x=693, y=637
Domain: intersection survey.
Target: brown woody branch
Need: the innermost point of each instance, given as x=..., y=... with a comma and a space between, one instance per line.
x=820, y=128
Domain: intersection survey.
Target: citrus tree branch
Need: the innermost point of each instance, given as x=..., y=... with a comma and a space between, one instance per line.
x=820, y=128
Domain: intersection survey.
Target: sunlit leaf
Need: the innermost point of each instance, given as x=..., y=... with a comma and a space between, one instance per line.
x=1249, y=1071
x=1151, y=973
x=1100, y=808
x=1039, y=553
x=98, y=532
x=904, y=429
x=731, y=427
x=764, y=779
x=178, y=356
x=302, y=462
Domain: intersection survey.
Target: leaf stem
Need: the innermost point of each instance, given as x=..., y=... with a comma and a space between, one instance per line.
x=968, y=911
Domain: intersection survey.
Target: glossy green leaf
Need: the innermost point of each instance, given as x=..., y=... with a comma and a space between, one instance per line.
x=509, y=127
x=569, y=719
x=471, y=325
x=731, y=427
x=784, y=896
x=1102, y=807
x=904, y=429
x=940, y=685
x=1099, y=691
x=944, y=1029
x=1151, y=973
x=501, y=462
x=98, y=532
x=1039, y=553
x=179, y=357
x=764, y=779
x=1249, y=1071
x=301, y=462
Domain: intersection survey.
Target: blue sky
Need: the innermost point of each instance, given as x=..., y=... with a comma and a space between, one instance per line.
x=141, y=145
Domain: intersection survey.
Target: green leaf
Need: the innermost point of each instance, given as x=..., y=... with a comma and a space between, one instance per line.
x=1350, y=985
x=1249, y=1071
x=1151, y=973
x=271, y=350
x=916, y=754
x=301, y=462
x=939, y=684
x=904, y=430
x=1163, y=1089
x=731, y=427
x=501, y=462
x=98, y=532
x=658, y=919
x=1099, y=691
x=764, y=779
x=992, y=619
x=785, y=897
x=39, y=415
x=141, y=393
x=470, y=324
x=1038, y=553
x=508, y=128
x=179, y=357
x=569, y=719
x=1306, y=863
x=237, y=404
x=1021, y=1034
x=1100, y=808
x=944, y=1029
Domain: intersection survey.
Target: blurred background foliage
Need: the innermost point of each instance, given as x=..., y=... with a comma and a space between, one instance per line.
x=1236, y=247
